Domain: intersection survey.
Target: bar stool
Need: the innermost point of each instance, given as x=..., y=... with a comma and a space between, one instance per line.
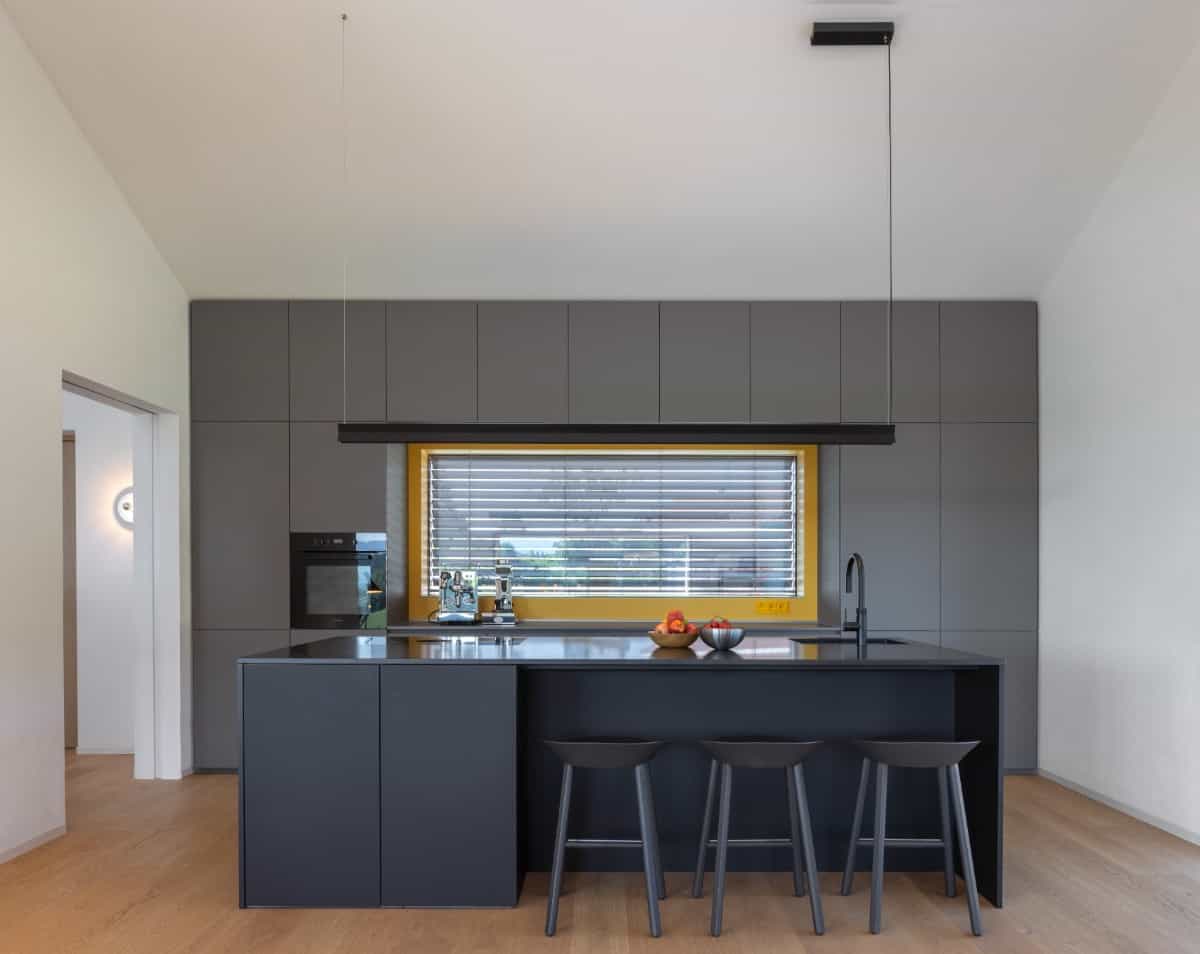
x=789, y=755
x=944, y=757
x=608, y=754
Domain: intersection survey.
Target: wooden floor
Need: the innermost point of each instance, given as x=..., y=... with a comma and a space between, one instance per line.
x=150, y=867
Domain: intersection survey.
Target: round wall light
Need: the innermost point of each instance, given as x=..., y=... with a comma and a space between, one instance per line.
x=123, y=508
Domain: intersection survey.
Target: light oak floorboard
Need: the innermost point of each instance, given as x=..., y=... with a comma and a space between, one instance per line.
x=150, y=868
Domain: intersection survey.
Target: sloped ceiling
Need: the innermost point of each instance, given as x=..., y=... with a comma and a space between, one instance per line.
x=608, y=148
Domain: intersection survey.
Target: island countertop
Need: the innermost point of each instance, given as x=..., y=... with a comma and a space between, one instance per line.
x=594, y=649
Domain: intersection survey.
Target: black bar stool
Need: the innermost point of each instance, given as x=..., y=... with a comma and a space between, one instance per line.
x=728, y=754
x=944, y=757
x=608, y=754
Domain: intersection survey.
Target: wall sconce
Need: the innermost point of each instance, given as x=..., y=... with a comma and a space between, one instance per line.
x=123, y=508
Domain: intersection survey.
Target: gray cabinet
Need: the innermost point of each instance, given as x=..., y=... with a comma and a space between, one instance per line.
x=989, y=526
x=864, y=362
x=915, y=361
x=889, y=505
x=1019, y=652
x=523, y=362
x=794, y=362
x=431, y=361
x=989, y=361
x=323, y=354
x=239, y=360
x=336, y=486
x=310, y=785
x=449, y=783
x=240, y=526
x=704, y=362
x=215, y=653
x=614, y=362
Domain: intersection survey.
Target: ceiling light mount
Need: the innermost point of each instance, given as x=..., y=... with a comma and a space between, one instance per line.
x=853, y=33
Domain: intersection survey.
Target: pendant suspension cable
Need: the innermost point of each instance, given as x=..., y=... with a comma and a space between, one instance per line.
x=891, y=236
x=345, y=221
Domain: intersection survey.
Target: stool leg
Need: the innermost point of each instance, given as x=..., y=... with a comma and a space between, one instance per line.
x=718, y=902
x=661, y=878
x=964, y=848
x=641, y=776
x=797, y=844
x=810, y=855
x=947, y=836
x=881, y=780
x=856, y=827
x=709, y=801
x=560, y=849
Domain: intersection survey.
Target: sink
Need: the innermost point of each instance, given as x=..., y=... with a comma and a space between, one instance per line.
x=845, y=641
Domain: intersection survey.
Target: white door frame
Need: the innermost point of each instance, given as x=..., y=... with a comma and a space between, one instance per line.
x=162, y=683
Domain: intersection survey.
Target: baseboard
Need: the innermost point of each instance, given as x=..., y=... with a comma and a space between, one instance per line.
x=26, y=846
x=101, y=750
x=1021, y=771
x=1168, y=827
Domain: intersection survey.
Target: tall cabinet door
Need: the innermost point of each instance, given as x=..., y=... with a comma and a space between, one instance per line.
x=310, y=785
x=449, y=764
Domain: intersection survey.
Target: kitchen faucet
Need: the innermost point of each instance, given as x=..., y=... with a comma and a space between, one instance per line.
x=859, y=626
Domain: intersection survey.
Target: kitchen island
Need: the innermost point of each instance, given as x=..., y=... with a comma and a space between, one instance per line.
x=409, y=770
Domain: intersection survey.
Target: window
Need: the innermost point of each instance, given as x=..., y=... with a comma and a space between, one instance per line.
x=619, y=533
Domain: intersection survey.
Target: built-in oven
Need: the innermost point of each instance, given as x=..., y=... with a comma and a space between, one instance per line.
x=338, y=580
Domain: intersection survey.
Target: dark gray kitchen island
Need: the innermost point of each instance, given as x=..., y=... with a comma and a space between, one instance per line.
x=409, y=771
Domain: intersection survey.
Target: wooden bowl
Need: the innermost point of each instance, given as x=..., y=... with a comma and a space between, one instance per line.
x=673, y=640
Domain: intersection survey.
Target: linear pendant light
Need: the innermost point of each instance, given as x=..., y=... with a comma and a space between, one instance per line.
x=856, y=33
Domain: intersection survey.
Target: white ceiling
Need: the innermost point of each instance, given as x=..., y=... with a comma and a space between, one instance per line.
x=609, y=148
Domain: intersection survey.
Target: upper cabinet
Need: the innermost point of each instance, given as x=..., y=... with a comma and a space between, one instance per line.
x=911, y=349
x=239, y=360
x=794, y=358
x=704, y=362
x=989, y=361
x=917, y=397
x=432, y=355
x=523, y=362
x=325, y=356
x=864, y=362
x=614, y=362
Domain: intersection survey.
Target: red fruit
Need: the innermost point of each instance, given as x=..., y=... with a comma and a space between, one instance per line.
x=692, y=629
x=677, y=625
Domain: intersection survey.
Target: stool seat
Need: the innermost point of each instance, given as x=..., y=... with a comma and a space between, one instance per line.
x=761, y=753
x=604, y=753
x=914, y=753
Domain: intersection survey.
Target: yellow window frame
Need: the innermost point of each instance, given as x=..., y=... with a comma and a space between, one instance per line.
x=799, y=608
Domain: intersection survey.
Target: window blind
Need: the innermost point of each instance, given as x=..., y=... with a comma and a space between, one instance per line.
x=619, y=524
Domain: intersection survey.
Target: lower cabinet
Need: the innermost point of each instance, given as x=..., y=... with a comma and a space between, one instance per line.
x=448, y=742
x=310, y=785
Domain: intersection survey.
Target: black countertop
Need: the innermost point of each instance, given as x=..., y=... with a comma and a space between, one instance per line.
x=581, y=648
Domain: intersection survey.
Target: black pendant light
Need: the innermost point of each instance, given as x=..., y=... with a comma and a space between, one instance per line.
x=841, y=33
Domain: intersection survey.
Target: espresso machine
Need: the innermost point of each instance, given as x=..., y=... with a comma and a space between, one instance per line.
x=504, y=614
x=458, y=598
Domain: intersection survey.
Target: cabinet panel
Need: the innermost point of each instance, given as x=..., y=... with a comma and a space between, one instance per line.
x=864, y=362
x=449, y=785
x=1019, y=652
x=523, y=362
x=614, y=362
x=704, y=373
x=240, y=526
x=310, y=785
x=795, y=369
x=915, y=367
x=239, y=360
x=316, y=349
x=989, y=526
x=336, y=486
x=215, y=653
x=431, y=361
x=889, y=502
x=989, y=361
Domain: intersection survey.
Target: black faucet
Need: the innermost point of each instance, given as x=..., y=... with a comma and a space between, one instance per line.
x=859, y=626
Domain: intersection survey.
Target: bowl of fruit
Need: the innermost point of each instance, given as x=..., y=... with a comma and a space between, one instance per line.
x=721, y=634
x=675, y=632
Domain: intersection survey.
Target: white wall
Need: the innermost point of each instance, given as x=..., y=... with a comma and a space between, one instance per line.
x=82, y=289
x=106, y=643
x=1120, y=459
